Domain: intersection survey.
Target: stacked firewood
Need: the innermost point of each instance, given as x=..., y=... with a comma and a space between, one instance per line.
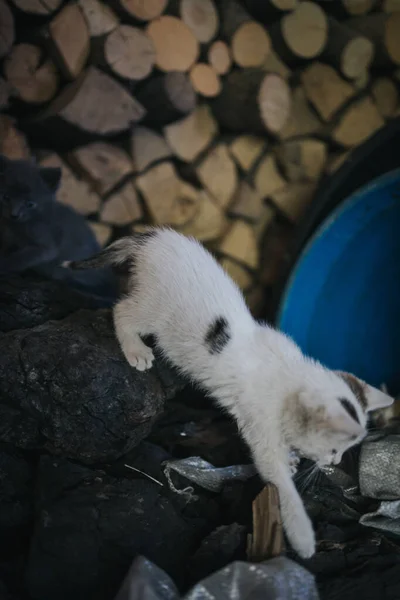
x=217, y=117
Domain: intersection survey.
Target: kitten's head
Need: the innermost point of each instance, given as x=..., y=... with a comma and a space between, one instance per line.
x=331, y=414
x=25, y=189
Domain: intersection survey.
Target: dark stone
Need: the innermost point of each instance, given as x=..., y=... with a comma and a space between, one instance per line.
x=66, y=387
x=16, y=502
x=223, y=546
x=90, y=526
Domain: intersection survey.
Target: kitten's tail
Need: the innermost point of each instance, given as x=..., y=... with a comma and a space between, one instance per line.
x=116, y=254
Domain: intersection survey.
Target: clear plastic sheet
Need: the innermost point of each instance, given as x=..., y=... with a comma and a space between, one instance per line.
x=276, y=579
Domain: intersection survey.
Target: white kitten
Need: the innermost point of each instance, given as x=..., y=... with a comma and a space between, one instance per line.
x=281, y=399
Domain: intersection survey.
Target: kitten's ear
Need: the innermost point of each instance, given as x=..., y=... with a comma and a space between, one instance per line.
x=376, y=399
x=51, y=176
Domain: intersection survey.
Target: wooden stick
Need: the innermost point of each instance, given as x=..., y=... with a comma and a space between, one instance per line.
x=253, y=101
x=122, y=207
x=147, y=148
x=267, y=538
x=73, y=192
x=99, y=16
x=383, y=31
x=144, y=10
x=70, y=52
x=325, y=89
x=33, y=77
x=104, y=165
x=386, y=96
x=219, y=57
x=217, y=172
x=301, y=34
x=37, y=7
x=7, y=33
x=249, y=41
x=129, y=53
x=347, y=50
x=169, y=35
x=205, y=80
x=360, y=120
x=190, y=136
x=86, y=103
x=167, y=97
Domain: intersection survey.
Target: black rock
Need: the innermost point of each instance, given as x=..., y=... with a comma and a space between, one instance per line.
x=16, y=502
x=66, y=387
x=29, y=301
x=90, y=526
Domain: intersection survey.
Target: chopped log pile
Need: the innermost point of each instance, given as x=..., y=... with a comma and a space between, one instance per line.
x=217, y=117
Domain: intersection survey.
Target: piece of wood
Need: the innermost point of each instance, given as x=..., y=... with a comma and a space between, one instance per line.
x=325, y=89
x=188, y=137
x=360, y=120
x=169, y=200
x=13, y=143
x=294, y=198
x=362, y=81
x=390, y=6
x=170, y=36
x=252, y=101
x=268, y=216
x=267, y=539
x=240, y=244
x=358, y=7
x=5, y=92
x=246, y=150
x=7, y=31
x=274, y=244
x=240, y=274
x=383, y=31
x=104, y=165
x=269, y=11
x=335, y=161
x=302, y=159
x=273, y=64
x=219, y=57
x=33, y=77
x=70, y=52
x=201, y=16
x=386, y=96
x=122, y=207
x=73, y=192
x=248, y=40
x=37, y=7
x=347, y=50
x=205, y=80
x=209, y=222
x=144, y=10
x=102, y=232
x=129, y=53
x=247, y=203
x=167, y=97
x=267, y=178
x=218, y=173
x=301, y=34
x=147, y=148
x=85, y=104
x=100, y=18
x=303, y=120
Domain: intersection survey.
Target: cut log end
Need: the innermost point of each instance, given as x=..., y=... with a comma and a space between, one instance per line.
x=219, y=57
x=170, y=36
x=130, y=53
x=305, y=30
x=356, y=57
x=201, y=17
x=70, y=52
x=205, y=80
x=274, y=102
x=250, y=45
x=144, y=10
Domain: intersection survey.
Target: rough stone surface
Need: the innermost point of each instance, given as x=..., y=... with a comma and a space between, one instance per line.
x=90, y=526
x=66, y=387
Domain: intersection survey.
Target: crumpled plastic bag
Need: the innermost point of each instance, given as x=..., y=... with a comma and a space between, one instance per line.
x=205, y=474
x=276, y=579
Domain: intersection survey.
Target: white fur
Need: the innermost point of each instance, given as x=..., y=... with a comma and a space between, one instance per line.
x=281, y=399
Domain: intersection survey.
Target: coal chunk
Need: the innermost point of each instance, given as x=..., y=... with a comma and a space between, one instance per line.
x=90, y=527
x=66, y=387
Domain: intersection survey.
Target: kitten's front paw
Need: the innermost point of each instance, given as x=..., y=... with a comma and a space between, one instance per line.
x=301, y=536
x=142, y=359
x=294, y=460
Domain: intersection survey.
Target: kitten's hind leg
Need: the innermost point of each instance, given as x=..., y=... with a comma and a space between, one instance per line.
x=127, y=330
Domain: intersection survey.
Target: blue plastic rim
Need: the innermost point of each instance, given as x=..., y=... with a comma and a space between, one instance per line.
x=342, y=301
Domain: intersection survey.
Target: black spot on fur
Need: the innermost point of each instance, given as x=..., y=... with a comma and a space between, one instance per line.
x=357, y=387
x=218, y=335
x=349, y=408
